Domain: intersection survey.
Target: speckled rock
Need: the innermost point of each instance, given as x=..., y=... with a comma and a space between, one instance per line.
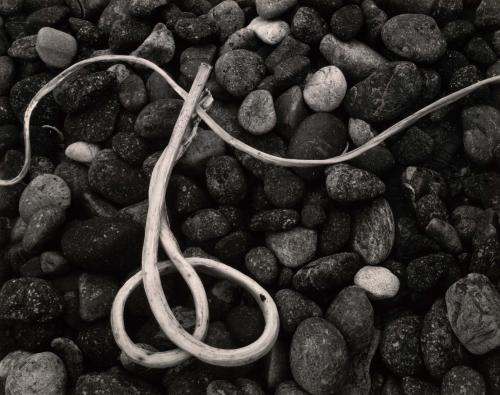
x=43, y=227
x=346, y=183
x=463, y=380
x=44, y=191
x=328, y=273
x=55, y=48
x=400, y=346
x=441, y=349
x=95, y=296
x=318, y=356
x=293, y=308
x=29, y=300
x=158, y=47
x=229, y=17
x=225, y=180
x=269, y=32
x=378, y=282
x=474, y=313
x=294, y=247
x=270, y=9
x=206, y=224
x=157, y=119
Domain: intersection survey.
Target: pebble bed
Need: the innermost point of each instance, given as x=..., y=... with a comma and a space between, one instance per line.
x=385, y=270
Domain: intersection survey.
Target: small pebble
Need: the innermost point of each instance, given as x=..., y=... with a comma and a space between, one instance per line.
x=82, y=152
x=283, y=188
x=199, y=30
x=347, y=22
x=445, y=235
x=53, y=262
x=56, y=48
x=157, y=119
x=229, y=17
x=95, y=296
x=24, y=48
x=487, y=14
x=225, y=180
x=308, y=25
x=158, y=47
x=257, y=114
x=326, y=89
x=205, y=225
x=274, y=220
x=463, y=380
x=294, y=247
x=378, y=282
x=269, y=32
x=345, y=183
x=127, y=34
x=43, y=227
x=293, y=308
x=11, y=362
x=132, y=93
x=69, y=352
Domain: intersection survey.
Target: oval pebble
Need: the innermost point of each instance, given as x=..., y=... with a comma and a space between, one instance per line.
x=378, y=282
x=326, y=89
x=294, y=247
x=346, y=183
x=257, y=114
x=269, y=9
x=55, y=48
x=82, y=152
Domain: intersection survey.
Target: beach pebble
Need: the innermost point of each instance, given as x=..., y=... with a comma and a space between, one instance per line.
x=385, y=94
x=373, y=231
x=82, y=152
x=244, y=38
x=56, y=48
x=44, y=191
x=229, y=17
x=356, y=59
x=205, y=224
x=291, y=110
x=127, y=34
x=352, y=314
x=360, y=132
x=113, y=381
x=378, y=282
x=308, y=25
x=95, y=296
x=71, y=355
x=441, y=349
x=326, y=89
x=262, y=265
x=131, y=148
x=345, y=183
x=240, y=71
x=414, y=147
x=257, y=114
x=473, y=306
x=43, y=227
x=270, y=9
x=400, y=346
x=42, y=373
x=445, y=235
x=158, y=47
x=293, y=247
x=269, y=32
x=143, y=8
x=30, y=300
x=116, y=180
x=328, y=273
x=53, y=262
x=318, y=356
x=293, y=308
x=488, y=14
x=105, y=245
x=415, y=37
x=274, y=220
x=11, y=362
x=205, y=145
x=463, y=380
x=24, y=48
x=477, y=147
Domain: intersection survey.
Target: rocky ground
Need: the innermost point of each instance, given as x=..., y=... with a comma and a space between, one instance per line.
x=385, y=270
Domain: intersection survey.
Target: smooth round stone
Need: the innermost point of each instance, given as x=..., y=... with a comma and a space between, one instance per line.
x=42, y=373
x=206, y=144
x=356, y=59
x=240, y=71
x=244, y=38
x=293, y=308
x=55, y=48
x=308, y=25
x=225, y=180
x=262, y=265
x=269, y=32
x=257, y=114
x=415, y=37
x=294, y=247
x=11, y=362
x=269, y=9
x=42, y=228
x=378, y=282
x=82, y=152
x=24, y=48
x=158, y=47
x=326, y=89
x=318, y=356
x=463, y=380
x=347, y=22
x=205, y=225
x=346, y=183
x=95, y=296
x=44, y=191
x=360, y=131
